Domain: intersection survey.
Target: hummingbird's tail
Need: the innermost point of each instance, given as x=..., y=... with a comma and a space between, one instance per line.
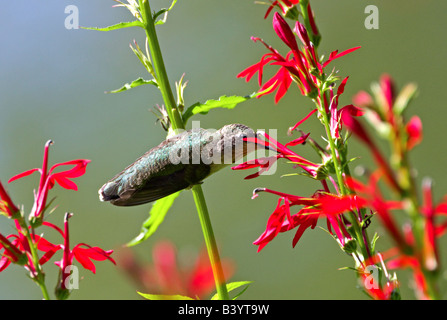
x=108, y=192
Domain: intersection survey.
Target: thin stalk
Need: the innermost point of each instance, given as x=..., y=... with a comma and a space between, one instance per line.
x=210, y=242
x=177, y=123
x=359, y=235
x=159, y=66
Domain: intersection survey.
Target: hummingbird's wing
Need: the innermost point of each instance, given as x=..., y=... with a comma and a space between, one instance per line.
x=156, y=188
x=153, y=176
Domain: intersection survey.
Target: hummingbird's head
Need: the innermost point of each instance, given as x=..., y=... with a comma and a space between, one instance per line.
x=233, y=142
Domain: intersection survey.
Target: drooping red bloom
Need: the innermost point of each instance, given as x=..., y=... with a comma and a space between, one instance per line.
x=336, y=118
x=385, y=110
x=49, y=178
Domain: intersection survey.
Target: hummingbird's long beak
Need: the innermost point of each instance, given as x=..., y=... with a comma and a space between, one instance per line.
x=260, y=135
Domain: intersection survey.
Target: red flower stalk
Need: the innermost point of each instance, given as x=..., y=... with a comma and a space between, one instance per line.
x=398, y=260
x=387, y=96
x=82, y=255
x=386, y=111
x=414, y=132
x=336, y=118
x=48, y=179
x=6, y=205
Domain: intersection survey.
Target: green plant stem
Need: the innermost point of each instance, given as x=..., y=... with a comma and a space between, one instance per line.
x=362, y=238
x=177, y=123
x=210, y=242
x=159, y=66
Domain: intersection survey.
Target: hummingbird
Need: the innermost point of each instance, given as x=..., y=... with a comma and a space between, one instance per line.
x=178, y=163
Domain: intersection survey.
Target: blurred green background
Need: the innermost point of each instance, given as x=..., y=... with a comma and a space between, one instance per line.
x=52, y=86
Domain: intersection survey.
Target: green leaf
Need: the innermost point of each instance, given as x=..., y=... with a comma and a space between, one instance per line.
x=120, y=25
x=165, y=11
x=222, y=102
x=150, y=296
x=373, y=241
x=156, y=216
x=133, y=84
x=234, y=285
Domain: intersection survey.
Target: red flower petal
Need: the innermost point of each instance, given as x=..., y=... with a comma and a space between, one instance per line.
x=284, y=32
x=335, y=55
x=83, y=256
x=23, y=174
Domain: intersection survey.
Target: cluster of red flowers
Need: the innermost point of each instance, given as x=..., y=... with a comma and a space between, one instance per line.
x=297, y=67
x=17, y=247
x=416, y=249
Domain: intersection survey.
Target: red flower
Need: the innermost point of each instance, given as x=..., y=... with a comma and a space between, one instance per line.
x=284, y=5
x=371, y=282
x=282, y=152
x=82, y=252
x=398, y=260
x=296, y=66
x=48, y=179
x=319, y=205
x=167, y=277
x=19, y=245
x=414, y=132
x=373, y=199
